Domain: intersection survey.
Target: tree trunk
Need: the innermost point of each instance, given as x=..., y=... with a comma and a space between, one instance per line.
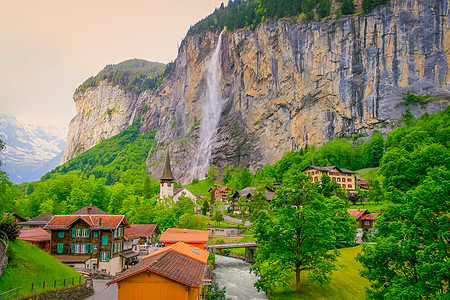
x=297, y=280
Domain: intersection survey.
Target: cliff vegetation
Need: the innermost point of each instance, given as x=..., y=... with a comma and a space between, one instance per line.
x=134, y=75
x=249, y=13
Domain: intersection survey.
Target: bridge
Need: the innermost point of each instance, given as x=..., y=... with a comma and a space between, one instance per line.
x=250, y=248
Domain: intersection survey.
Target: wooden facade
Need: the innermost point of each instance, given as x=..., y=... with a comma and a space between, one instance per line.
x=86, y=241
x=150, y=285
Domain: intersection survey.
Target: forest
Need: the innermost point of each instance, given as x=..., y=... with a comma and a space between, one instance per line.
x=248, y=14
x=134, y=75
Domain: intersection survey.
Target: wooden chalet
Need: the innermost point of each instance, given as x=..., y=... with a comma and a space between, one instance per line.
x=364, y=217
x=174, y=272
x=345, y=178
x=195, y=238
x=148, y=233
x=89, y=241
x=247, y=193
x=17, y=219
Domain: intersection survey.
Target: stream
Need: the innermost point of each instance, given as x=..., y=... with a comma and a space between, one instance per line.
x=234, y=275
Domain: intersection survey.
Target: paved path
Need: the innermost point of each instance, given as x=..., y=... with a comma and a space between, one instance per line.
x=235, y=220
x=108, y=294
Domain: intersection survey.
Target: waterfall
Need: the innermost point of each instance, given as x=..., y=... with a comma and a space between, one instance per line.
x=132, y=116
x=212, y=110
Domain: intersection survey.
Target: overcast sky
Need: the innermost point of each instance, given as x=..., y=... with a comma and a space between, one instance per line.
x=49, y=47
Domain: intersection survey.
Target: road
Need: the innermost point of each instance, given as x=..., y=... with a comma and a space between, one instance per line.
x=109, y=294
x=235, y=220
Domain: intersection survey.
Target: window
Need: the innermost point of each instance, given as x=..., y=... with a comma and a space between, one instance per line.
x=367, y=223
x=104, y=256
x=343, y=186
x=105, y=240
x=83, y=248
x=349, y=179
x=338, y=179
x=169, y=184
x=334, y=178
x=317, y=172
x=316, y=178
x=78, y=232
x=77, y=248
x=85, y=232
x=60, y=234
x=95, y=234
x=60, y=248
x=349, y=186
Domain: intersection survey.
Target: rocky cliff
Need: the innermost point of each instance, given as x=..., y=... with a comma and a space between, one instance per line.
x=284, y=86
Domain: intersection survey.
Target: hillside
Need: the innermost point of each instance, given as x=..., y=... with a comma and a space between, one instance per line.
x=28, y=264
x=279, y=87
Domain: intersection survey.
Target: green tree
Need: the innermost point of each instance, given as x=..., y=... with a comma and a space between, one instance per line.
x=217, y=216
x=348, y=7
x=411, y=257
x=297, y=234
x=205, y=206
x=187, y=220
x=213, y=173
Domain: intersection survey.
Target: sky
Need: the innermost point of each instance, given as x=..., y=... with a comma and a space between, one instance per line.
x=49, y=47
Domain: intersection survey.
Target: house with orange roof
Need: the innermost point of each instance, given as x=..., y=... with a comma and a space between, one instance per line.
x=195, y=238
x=364, y=218
x=36, y=236
x=89, y=241
x=173, y=272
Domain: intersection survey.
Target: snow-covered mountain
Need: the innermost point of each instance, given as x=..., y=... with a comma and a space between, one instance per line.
x=31, y=151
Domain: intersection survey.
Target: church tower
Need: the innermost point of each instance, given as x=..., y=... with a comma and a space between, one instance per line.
x=166, y=186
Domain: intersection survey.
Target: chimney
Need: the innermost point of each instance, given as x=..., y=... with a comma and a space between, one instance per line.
x=196, y=250
x=89, y=210
x=185, y=230
x=100, y=222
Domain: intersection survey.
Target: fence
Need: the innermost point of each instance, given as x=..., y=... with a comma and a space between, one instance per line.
x=38, y=287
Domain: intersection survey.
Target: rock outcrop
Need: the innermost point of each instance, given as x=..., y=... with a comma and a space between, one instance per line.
x=286, y=85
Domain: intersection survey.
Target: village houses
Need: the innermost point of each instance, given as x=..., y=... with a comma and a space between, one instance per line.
x=345, y=178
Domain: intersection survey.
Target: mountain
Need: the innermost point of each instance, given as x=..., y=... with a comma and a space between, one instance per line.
x=31, y=151
x=245, y=97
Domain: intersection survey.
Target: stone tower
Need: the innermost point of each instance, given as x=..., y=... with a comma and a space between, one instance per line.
x=166, y=186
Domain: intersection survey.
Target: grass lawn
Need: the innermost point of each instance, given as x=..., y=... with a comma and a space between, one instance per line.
x=201, y=188
x=206, y=221
x=370, y=173
x=373, y=207
x=28, y=264
x=346, y=283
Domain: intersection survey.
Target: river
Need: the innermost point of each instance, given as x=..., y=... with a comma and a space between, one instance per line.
x=234, y=275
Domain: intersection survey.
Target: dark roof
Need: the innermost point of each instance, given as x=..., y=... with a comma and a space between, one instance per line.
x=328, y=169
x=247, y=192
x=15, y=216
x=167, y=174
x=144, y=230
x=108, y=221
x=94, y=211
x=42, y=219
x=170, y=264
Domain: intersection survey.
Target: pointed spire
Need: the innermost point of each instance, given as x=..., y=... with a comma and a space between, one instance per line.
x=167, y=174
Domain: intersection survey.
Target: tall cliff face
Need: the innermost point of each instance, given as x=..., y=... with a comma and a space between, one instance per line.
x=287, y=85
x=102, y=112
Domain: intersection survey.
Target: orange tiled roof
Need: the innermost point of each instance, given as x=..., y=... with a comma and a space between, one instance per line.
x=34, y=235
x=128, y=233
x=108, y=221
x=370, y=217
x=184, y=235
x=143, y=230
x=357, y=213
x=170, y=264
x=184, y=249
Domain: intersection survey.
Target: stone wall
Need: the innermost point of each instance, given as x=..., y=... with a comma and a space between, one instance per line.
x=78, y=292
x=3, y=256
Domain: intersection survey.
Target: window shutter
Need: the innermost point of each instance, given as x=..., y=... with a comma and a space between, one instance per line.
x=87, y=232
x=105, y=240
x=72, y=248
x=73, y=232
x=107, y=256
x=92, y=248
